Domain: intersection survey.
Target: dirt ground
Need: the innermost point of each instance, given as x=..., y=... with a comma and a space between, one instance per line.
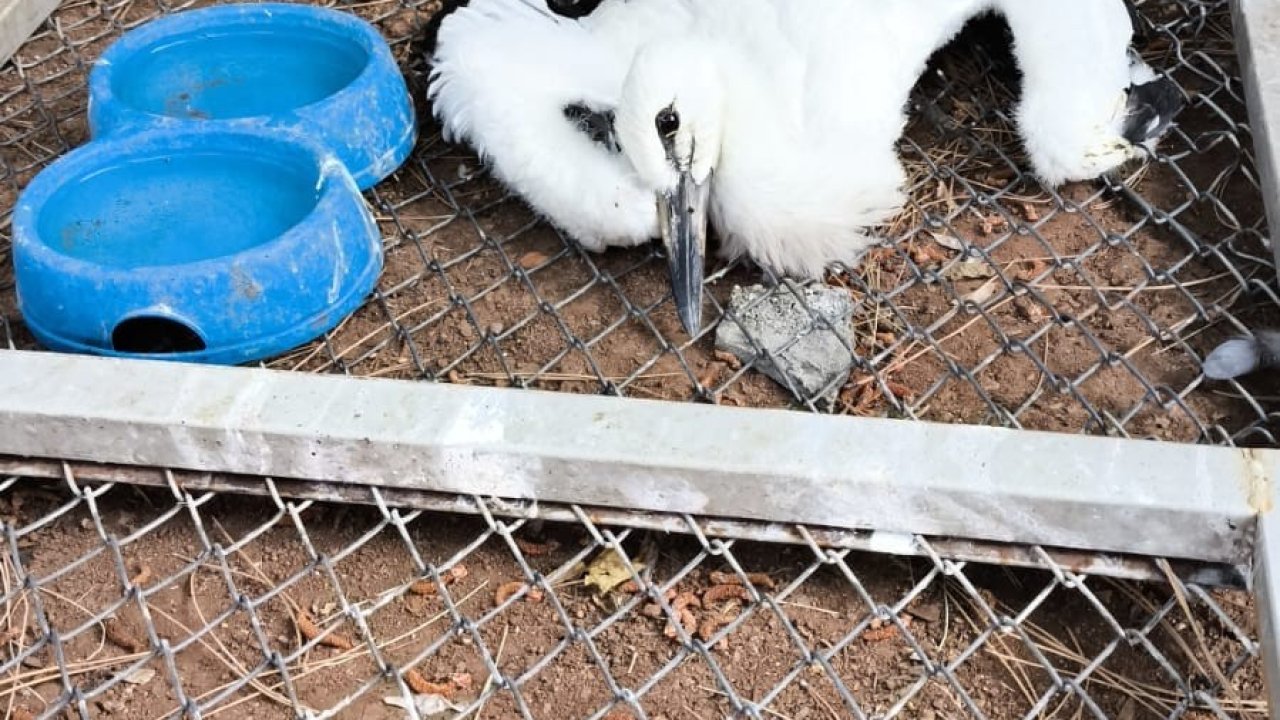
x=557, y=651
x=1109, y=301
x=1080, y=310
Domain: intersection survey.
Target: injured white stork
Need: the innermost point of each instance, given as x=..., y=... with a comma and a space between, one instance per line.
x=774, y=120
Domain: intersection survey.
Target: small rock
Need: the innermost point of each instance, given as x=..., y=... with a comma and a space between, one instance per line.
x=775, y=319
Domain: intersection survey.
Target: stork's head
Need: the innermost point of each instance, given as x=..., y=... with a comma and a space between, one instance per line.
x=669, y=123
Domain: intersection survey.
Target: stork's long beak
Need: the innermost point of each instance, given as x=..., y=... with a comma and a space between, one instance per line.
x=683, y=216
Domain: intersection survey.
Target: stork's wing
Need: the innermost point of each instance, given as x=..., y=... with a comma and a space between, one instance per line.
x=532, y=92
x=863, y=57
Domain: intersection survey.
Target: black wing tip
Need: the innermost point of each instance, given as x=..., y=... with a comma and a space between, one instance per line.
x=573, y=9
x=1152, y=107
x=596, y=124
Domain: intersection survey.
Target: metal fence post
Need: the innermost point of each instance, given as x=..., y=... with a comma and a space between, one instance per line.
x=1267, y=588
x=1257, y=31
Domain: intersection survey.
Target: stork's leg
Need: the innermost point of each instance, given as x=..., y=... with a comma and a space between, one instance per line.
x=1088, y=103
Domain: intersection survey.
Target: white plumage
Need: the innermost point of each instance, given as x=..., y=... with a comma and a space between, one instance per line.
x=502, y=75
x=775, y=119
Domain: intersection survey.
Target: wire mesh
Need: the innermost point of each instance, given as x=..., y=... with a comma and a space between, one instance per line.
x=125, y=602
x=993, y=300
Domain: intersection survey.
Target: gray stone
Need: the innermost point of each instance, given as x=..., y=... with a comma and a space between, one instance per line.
x=775, y=318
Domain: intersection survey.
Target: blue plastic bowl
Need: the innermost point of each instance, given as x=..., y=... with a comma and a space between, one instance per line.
x=325, y=74
x=207, y=245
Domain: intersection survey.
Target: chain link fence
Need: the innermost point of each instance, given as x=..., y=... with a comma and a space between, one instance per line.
x=993, y=300
x=144, y=603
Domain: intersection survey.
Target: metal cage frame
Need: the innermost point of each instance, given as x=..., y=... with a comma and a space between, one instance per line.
x=878, y=483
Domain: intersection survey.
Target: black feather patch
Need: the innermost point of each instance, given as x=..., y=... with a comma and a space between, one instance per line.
x=573, y=8
x=597, y=124
x=1151, y=109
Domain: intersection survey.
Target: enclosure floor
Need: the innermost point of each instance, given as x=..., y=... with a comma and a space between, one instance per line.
x=1083, y=310
x=315, y=560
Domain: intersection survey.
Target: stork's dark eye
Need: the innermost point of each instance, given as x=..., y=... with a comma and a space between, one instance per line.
x=668, y=122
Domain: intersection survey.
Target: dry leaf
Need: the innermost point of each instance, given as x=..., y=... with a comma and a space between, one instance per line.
x=532, y=259
x=141, y=676
x=427, y=705
x=608, y=571
x=985, y=292
x=948, y=242
x=971, y=269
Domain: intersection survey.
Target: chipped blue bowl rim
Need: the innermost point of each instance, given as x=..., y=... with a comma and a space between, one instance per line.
x=107, y=115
